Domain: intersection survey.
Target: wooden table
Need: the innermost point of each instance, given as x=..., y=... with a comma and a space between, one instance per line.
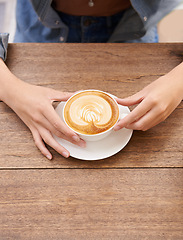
x=135, y=194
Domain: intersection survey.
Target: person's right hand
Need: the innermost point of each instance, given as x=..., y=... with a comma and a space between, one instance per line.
x=33, y=104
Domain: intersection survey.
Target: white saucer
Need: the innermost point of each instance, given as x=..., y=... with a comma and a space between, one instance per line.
x=101, y=149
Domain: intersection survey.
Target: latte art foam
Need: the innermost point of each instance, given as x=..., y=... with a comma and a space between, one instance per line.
x=91, y=112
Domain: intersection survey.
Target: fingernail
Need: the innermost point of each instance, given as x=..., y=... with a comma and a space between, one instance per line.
x=116, y=128
x=76, y=138
x=49, y=157
x=82, y=144
x=65, y=154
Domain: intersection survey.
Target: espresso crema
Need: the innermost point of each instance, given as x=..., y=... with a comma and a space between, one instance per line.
x=91, y=112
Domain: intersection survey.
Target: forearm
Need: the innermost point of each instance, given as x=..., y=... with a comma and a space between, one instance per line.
x=8, y=82
x=176, y=75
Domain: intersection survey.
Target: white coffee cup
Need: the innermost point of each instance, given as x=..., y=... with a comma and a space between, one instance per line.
x=93, y=136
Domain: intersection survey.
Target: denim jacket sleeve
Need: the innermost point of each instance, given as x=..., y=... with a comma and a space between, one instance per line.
x=3, y=45
x=143, y=16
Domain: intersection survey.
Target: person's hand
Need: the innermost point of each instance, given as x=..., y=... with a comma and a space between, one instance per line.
x=155, y=102
x=33, y=104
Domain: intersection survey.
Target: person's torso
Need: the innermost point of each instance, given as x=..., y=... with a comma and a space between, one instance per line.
x=38, y=21
x=91, y=7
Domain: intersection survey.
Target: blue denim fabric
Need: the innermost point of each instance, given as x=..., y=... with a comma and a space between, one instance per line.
x=83, y=29
x=151, y=36
x=136, y=21
x=29, y=28
x=37, y=21
x=87, y=29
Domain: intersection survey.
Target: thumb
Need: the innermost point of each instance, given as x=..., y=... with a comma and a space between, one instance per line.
x=132, y=100
x=60, y=96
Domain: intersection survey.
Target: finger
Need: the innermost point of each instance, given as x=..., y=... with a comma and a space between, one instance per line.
x=45, y=124
x=48, y=138
x=132, y=100
x=134, y=116
x=42, y=121
x=40, y=145
x=153, y=117
x=81, y=143
x=149, y=120
x=60, y=96
x=58, y=124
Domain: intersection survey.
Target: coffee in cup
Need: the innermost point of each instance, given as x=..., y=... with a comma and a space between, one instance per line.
x=91, y=113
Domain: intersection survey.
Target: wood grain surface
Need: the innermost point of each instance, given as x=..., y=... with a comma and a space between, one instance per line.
x=121, y=69
x=91, y=204
x=135, y=194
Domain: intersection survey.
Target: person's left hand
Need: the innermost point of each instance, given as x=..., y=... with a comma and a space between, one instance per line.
x=155, y=102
